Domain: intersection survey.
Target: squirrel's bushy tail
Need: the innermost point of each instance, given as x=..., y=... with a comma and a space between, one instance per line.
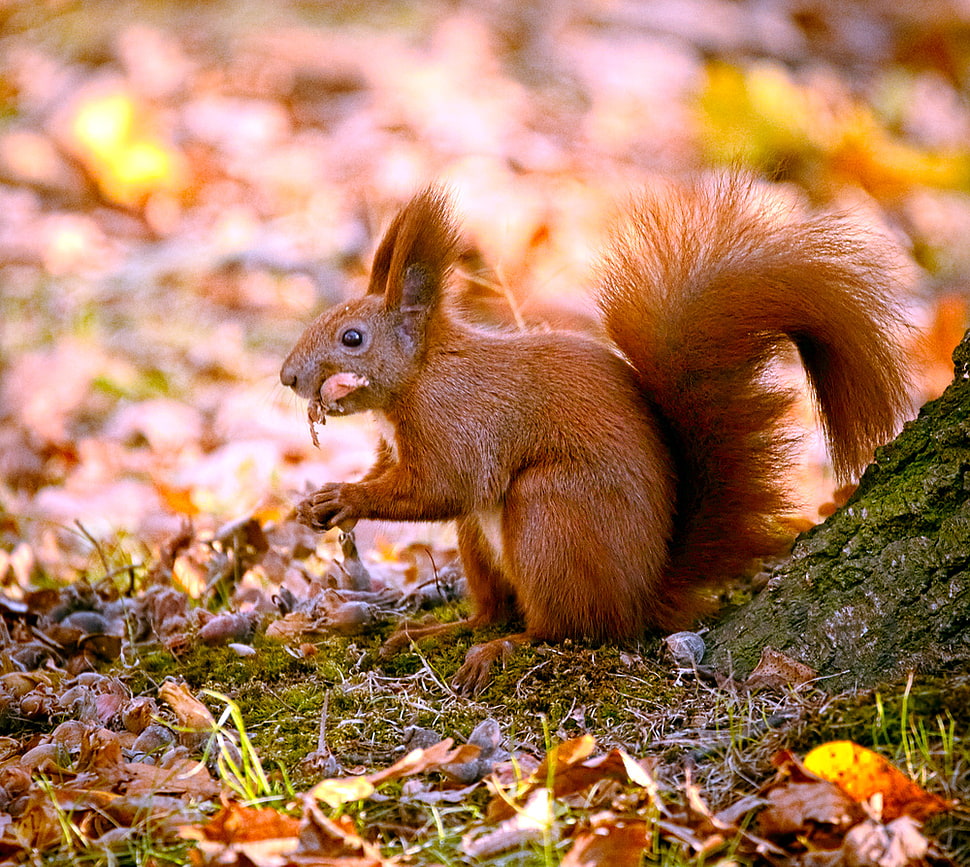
x=700, y=292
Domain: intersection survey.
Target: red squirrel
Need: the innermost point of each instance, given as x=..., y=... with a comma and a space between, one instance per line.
x=601, y=484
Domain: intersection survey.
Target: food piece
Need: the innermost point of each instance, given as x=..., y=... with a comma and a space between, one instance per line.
x=332, y=389
x=315, y=415
x=339, y=386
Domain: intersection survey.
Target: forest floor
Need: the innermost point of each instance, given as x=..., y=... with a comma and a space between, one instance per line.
x=186, y=673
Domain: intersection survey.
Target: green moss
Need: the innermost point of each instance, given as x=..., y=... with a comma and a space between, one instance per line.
x=566, y=690
x=878, y=718
x=544, y=694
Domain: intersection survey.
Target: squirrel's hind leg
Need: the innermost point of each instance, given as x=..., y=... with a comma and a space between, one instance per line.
x=414, y=630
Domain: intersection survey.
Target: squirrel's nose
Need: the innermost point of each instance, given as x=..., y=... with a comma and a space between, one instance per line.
x=299, y=374
x=290, y=372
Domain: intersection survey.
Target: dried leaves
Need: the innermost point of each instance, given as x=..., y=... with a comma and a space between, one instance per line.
x=593, y=808
x=169, y=212
x=147, y=773
x=852, y=804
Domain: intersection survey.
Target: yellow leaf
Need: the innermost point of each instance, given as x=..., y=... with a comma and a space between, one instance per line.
x=103, y=124
x=129, y=162
x=344, y=790
x=861, y=773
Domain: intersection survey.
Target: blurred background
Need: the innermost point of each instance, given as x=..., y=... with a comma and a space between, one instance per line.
x=183, y=186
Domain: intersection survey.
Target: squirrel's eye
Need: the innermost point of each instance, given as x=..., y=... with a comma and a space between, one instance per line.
x=351, y=337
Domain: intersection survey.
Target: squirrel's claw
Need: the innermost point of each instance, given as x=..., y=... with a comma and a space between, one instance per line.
x=476, y=671
x=326, y=508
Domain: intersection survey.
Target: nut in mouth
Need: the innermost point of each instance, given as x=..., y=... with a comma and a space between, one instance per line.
x=333, y=389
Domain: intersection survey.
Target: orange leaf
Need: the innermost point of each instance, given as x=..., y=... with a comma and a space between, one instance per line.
x=563, y=757
x=177, y=499
x=609, y=844
x=572, y=770
x=237, y=824
x=861, y=773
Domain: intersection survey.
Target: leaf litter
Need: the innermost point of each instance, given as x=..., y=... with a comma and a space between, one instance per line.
x=175, y=200
x=116, y=749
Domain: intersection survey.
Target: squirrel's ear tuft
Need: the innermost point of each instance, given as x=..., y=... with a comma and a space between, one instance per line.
x=416, y=252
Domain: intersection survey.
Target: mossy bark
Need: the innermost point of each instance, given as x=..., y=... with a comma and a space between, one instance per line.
x=883, y=586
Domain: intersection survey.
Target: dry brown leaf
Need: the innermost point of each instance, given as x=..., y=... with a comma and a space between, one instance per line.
x=422, y=760
x=610, y=842
x=191, y=713
x=322, y=838
x=243, y=835
x=899, y=843
x=571, y=770
x=74, y=798
x=794, y=807
x=235, y=823
x=705, y=831
x=100, y=757
x=291, y=627
x=271, y=852
x=532, y=821
x=230, y=626
x=182, y=776
x=38, y=827
x=343, y=790
x=776, y=670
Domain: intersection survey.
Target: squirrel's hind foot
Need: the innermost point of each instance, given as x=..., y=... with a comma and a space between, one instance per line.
x=476, y=671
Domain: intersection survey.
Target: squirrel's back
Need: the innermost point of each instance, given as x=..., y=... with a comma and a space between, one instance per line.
x=701, y=289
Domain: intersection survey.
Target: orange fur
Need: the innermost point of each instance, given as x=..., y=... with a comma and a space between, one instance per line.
x=598, y=486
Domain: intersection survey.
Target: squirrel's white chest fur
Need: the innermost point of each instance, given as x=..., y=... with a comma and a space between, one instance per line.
x=490, y=524
x=387, y=430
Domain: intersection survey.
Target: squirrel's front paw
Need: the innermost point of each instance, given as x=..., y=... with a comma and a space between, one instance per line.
x=329, y=507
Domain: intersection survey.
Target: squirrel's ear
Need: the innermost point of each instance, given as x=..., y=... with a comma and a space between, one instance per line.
x=382, y=258
x=418, y=289
x=416, y=253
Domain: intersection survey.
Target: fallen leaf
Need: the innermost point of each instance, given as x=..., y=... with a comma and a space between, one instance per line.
x=180, y=776
x=794, y=806
x=861, y=774
x=235, y=823
x=111, y=134
x=191, y=713
x=611, y=842
x=261, y=837
x=421, y=760
x=322, y=838
x=344, y=790
x=899, y=843
x=291, y=627
x=776, y=670
x=526, y=824
x=570, y=771
x=100, y=756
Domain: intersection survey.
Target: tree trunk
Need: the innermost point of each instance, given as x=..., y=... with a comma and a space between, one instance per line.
x=883, y=586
